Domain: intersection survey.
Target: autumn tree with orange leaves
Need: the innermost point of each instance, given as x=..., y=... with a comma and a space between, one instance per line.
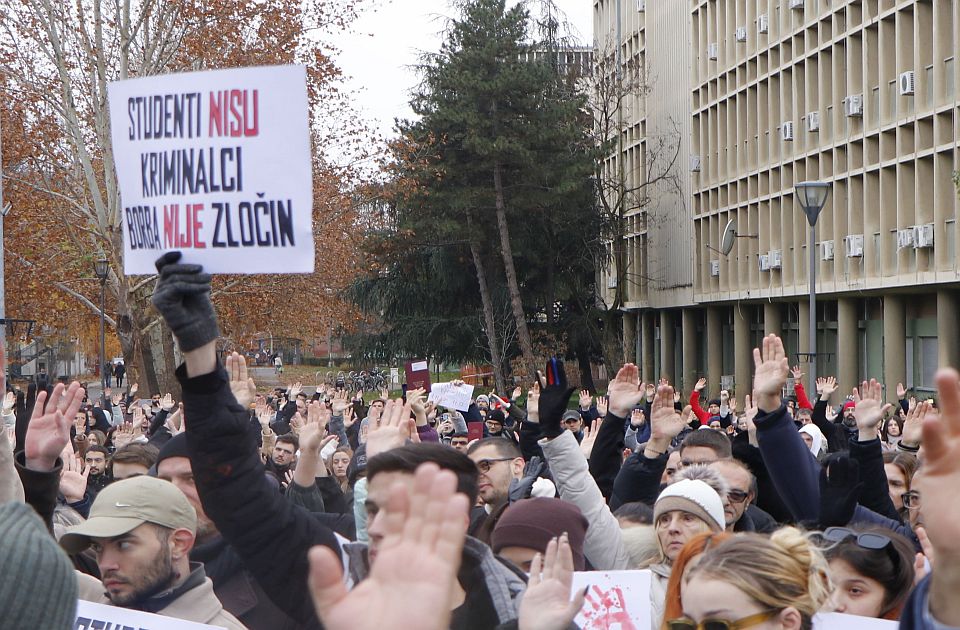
x=56, y=60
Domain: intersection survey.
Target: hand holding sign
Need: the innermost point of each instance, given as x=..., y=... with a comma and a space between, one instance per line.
x=182, y=296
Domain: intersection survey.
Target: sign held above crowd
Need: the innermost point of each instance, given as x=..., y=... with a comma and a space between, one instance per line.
x=216, y=165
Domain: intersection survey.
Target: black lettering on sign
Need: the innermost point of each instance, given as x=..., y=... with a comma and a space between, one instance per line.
x=221, y=212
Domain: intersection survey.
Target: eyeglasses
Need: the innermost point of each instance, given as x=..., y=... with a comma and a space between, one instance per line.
x=685, y=623
x=737, y=496
x=484, y=464
x=911, y=500
x=874, y=542
x=459, y=442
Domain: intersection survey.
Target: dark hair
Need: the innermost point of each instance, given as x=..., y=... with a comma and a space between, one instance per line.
x=142, y=454
x=635, y=512
x=408, y=458
x=896, y=576
x=504, y=447
x=101, y=436
x=97, y=448
x=290, y=438
x=886, y=423
x=906, y=462
x=717, y=441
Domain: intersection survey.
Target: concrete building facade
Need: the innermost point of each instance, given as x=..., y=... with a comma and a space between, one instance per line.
x=768, y=93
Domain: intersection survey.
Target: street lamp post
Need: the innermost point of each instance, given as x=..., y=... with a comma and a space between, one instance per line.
x=102, y=268
x=812, y=197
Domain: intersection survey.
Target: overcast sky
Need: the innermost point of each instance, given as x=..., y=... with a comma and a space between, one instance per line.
x=388, y=38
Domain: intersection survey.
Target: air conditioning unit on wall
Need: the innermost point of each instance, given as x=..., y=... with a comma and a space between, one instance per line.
x=741, y=33
x=908, y=83
x=715, y=268
x=796, y=4
x=923, y=235
x=775, y=257
x=826, y=250
x=854, y=245
x=763, y=23
x=904, y=238
x=786, y=131
x=712, y=50
x=813, y=122
x=853, y=105
x=694, y=163
x=764, y=262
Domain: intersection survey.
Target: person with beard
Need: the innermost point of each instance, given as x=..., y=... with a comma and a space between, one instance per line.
x=142, y=530
x=284, y=457
x=236, y=587
x=95, y=460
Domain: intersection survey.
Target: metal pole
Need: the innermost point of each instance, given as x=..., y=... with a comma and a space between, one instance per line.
x=812, y=371
x=103, y=367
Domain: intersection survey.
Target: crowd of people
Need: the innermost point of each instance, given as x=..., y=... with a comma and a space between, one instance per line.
x=285, y=509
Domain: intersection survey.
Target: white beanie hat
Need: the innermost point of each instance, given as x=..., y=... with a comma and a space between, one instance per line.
x=693, y=496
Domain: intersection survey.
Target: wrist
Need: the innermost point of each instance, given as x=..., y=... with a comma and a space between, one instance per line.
x=865, y=435
x=73, y=498
x=768, y=402
x=944, y=585
x=41, y=464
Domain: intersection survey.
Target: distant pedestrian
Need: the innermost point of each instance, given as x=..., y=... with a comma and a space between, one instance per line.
x=119, y=371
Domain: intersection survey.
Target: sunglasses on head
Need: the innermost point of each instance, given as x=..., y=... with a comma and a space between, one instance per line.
x=685, y=623
x=871, y=541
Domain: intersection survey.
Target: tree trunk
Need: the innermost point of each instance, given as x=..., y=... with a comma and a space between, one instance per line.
x=488, y=317
x=516, y=300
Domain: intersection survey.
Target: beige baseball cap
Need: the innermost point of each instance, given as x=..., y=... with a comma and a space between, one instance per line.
x=125, y=505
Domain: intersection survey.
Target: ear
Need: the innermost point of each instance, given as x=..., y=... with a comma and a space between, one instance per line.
x=181, y=542
x=790, y=619
x=518, y=465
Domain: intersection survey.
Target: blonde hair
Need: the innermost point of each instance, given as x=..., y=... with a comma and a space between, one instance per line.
x=642, y=545
x=661, y=556
x=784, y=570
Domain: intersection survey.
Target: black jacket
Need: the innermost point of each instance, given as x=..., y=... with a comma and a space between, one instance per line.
x=270, y=534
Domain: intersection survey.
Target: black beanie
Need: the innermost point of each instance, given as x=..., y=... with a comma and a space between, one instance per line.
x=175, y=447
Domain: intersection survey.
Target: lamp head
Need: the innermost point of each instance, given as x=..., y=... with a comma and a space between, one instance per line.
x=812, y=196
x=101, y=268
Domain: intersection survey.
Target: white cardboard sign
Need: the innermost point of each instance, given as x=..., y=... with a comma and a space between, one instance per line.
x=452, y=396
x=616, y=600
x=93, y=616
x=841, y=621
x=216, y=165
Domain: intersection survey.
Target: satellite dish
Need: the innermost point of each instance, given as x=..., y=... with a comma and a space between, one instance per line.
x=729, y=237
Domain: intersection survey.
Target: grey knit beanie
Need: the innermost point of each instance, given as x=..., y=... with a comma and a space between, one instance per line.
x=38, y=588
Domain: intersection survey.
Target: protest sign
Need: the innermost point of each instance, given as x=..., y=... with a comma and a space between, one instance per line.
x=216, y=165
x=92, y=616
x=452, y=396
x=616, y=600
x=418, y=374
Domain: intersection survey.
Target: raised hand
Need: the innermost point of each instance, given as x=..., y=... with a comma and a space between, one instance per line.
x=395, y=428
x=415, y=398
x=242, y=386
x=827, y=388
x=770, y=375
x=665, y=422
x=348, y=418
x=339, y=402
x=701, y=383
x=166, y=403
x=796, y=372
x=913, y=425
x=49, y=430
x=122, y=435
x=589, y=437
x=412, y=579
x=586, y=400
x=182, y=295
x=651, y=391
x=626, y=391
x=73, y=477
x=311, y=435
x=546, y=604
x=533, y=403
x=637, y=419
x=318, y=414
x=516, y=394
x=134, y=388
x=294, y=390
x=602, y=404
x=869, y=408
x=901, y=391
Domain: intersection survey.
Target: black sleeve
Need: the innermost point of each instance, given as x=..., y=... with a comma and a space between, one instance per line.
x=40, y=489
x=271, y=535
x=832, y=432
x=607, y=454
x=768, y=499
x=875, y=494
x=157, y=420
x=530, y=436
x=638, y=480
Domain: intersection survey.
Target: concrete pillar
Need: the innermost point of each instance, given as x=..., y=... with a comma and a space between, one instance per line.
x=629, y=336
x=848, y=347
x=689, y=323
x=646, y=348
x=894, y=342
x=948, y=337
x=668, y=342
x=742, y=350
x=804, y=337
x=772, y=319
x=714, y=345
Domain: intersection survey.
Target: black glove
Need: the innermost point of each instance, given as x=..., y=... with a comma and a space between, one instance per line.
x=521, y=488
x=182, y=296
x=554, y=399
x=840, y=488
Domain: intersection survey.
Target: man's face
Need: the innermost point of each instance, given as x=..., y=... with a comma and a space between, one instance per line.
x=177, y=471
x=805, y=418
x=339, y=464
x=495, y=473
x=896, y=483
x=691, y=455
x=378, y=406
x=123, y=470
x=849, y=416
x=673, y=463
x=715, y=425
x=460, y=443
x=494, y=427
x=284, y=454
x=791, y=407
x=738, y=495
x=96, y=462
x=135, y=566
x=483, y=404
x=572, y=424
x=713, y=409
x=378, y=496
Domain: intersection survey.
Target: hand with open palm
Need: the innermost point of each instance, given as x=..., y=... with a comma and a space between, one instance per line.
x=771, y=370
